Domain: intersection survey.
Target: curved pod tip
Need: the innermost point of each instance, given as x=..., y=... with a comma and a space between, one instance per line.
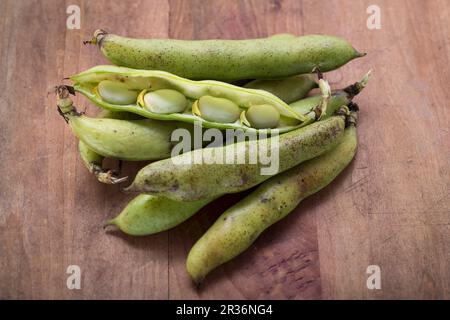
x=108, y=224
x=197, y=280
x=130, y=189
x=360, y=54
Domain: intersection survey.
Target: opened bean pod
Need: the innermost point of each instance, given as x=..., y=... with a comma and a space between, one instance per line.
x=164, y=96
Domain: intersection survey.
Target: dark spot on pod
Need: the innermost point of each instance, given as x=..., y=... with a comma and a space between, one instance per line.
x=175, y=187
x=244, y=178
x=264, y=200
x=115, y=131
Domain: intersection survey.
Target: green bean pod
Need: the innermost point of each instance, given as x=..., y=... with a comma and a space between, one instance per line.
x=264, y=58
x=288, y=89
x=148, y=214
x=94, y=161
x=180, y=178
x=238, y=227
x=121, y=139
x=129, y=83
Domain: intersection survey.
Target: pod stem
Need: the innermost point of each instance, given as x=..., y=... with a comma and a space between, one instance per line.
x=197, y=282
x=319, y=73
x=353, y=106
x=98, y=37
x=108, y=176
x=108, y=223
x=351, y=119
x=349, y=113
x=360, y=54
x=64, y=102
x=354, y=89
x=326, y=94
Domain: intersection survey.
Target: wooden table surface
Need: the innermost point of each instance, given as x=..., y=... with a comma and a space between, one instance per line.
x=390, y=207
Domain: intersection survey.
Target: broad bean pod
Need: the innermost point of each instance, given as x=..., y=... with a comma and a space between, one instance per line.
x=163, y=96
x=147, y=214
x=265, y=58
x=94, y=161
x=180, y=178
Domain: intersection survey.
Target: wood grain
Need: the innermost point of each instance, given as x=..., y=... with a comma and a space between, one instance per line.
x=390, y=208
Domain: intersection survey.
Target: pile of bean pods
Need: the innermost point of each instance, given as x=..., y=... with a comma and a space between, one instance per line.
x=158, y=86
